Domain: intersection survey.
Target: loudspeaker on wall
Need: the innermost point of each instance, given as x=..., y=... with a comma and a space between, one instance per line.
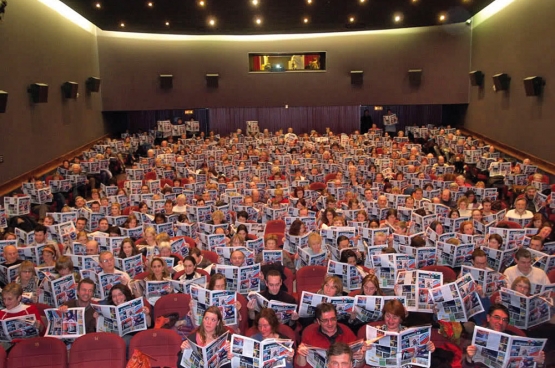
x=69, y=89
x=166, y=81
x=93, y=84
x=415, y=77
x=3, y=101
x=476, y=78
x=501, y=82
x=39, y=92
x=212, y=80
x=357, y=77
x=534, y=86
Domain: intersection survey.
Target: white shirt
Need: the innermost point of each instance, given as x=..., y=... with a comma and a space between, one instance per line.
x=536, y=276
x=513, y=214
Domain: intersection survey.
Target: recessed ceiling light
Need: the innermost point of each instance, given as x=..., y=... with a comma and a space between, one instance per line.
x=167, y=24
x=309, y=1
x=362, y=1
x=212, y=22
x=397, y=18
x=201, y=3
x=305, y=20
x=255, y=2
x=351, y=19
x=150, y=4
x=122, y=25
x=442, y=17
x=98, y=5
x=258, y=21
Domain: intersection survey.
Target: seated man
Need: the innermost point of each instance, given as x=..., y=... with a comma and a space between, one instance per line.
x=11, y=256
x=107, y=263
x=273, y=291
x=524, y=267
x=497, y=320
x=85, y=293
x=325, y=333
x=519, y=212
x=91, y=248
x=340, y=355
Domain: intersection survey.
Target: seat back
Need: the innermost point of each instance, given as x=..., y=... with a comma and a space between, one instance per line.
x=244, y=312
x=289, y=279
x=210, y=255
x=275, y=226
x=510, y=224
x=98, y=349
x=127, y=210
x=141, y=275
x=3, y=356
x=172, y=303
x=310, y=278
x=551, y=276
x=161, y=345
x=39, y=352
x=448, y=274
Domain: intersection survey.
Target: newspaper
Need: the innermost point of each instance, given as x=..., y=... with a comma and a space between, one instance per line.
x=499, y=350
x=457, y=301
x=415, y=286
x=526, y=312
x=248, y=352
x=65, y=325
x=368, y=308
x=122, y=319
x=203, y=298
x=212, y=355
x=243, y=279
x=22, y=327
x=396, y=349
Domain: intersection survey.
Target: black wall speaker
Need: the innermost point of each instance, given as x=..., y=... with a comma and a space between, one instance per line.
x=166, y=81
x=476, y=78
x=357, y=77
x=39, y=92
x=415, y=77
x=501, y=82
x=534, y=86
x=69, y=89
x=93, y=84
x=212, y=80
x=3, y=101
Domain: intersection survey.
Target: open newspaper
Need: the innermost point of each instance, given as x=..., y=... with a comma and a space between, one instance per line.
x=499, y=260
x=65, y=325
x=248, y=352
x=243, y=279
x=56, y=292
x=415, y=286
x=309, y=301
x=397, y=349
x=454, y=255
x=154, y=290
x=122, y=319
x=349, y=274
x=457, y=301
x=22, y=327
x=284, y=311
x=526, y=312
x=386, y=267
x=490, y=280
x=368, y=308
x=497, y=350
x=8, y=274
x=212, y=355
x=132, y=265
x=203, y=298
x=306, y=258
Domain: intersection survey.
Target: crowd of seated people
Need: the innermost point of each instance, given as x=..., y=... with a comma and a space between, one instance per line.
x=317, y=200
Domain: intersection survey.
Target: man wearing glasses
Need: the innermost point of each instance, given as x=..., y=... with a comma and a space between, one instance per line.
x=325, y=333
x=497, y=320
x=107, y=263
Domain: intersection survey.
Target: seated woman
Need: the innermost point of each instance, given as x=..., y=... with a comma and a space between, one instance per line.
x=394, y=313
x=270, y=243
x=189, y=265
x=29, y=281
x=128, y=249
x=118, y=295
x=267, y=324
x=370, y=287
x=350, y=257
x=64, y=267
x=49, y=256
x=12, y=296
x=210, y=329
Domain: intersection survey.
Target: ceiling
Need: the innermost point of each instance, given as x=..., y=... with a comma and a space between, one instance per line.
x=238, y=17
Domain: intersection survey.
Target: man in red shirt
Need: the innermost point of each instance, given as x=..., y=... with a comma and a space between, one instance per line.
x=326, y=332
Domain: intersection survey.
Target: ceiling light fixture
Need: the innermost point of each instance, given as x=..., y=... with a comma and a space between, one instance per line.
x=258, y=21
x=122, y=25
x=305, y=20
x=351, y=19
x=201, y=3
x=212, y=22
x=397, y=18
x=167, y=24
x=255, y=2
x=362, y=1
x=309, y=2
x=442, y=17
x=98, y=5
x=150, y=4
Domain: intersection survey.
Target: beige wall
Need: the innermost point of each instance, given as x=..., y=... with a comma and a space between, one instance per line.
x=39, y=45
x=130, y=69
x=518, y=41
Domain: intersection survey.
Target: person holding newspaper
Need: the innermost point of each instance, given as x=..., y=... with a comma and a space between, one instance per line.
x=325, y=333
x=211, y=327
x=85, y=293
x=524, y=267
x=497, y=320
x=267, y=324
